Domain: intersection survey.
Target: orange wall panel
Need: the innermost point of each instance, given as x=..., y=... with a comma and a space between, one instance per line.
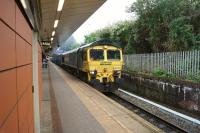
x=8, y=93
x=20, y=51
x=16, y=97
x=7, y=47
x=31, y=128
x=29, y=74
x=11, y=125
x=24, y=128
x=28, y=53
x=7, y=12
x=31, y=120
x=23, y=108
x=22, y=27
x=22, y=80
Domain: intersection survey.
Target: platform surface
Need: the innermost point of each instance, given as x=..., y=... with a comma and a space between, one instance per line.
x=46, y=119
x=82, y=109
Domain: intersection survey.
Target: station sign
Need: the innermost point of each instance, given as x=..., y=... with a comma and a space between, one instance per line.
x=46, y=43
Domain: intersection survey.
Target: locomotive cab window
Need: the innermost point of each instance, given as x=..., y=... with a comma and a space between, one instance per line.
x=84, y=55
x=113, y=55
x=96, y=54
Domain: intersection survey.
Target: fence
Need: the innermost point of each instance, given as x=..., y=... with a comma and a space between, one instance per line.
x=182, y=64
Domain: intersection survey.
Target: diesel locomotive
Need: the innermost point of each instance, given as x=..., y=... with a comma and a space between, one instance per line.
x=100, y=61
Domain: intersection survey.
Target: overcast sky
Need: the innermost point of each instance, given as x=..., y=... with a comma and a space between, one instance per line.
x=110, y=12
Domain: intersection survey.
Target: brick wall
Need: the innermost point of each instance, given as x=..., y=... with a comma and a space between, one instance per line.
x=16, y=98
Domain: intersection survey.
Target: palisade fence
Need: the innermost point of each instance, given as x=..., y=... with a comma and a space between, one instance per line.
x=182, y=64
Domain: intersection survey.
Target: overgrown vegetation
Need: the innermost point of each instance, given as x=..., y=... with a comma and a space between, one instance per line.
x=159, y=73
x=196, y=78
x=162, y=73
x=161, y=25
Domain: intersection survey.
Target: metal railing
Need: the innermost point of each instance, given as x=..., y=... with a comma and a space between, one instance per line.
x=182, y=64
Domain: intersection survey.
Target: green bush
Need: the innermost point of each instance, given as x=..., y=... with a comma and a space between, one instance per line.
x=198, y=77
x=194, y=78
x=162, y=73
x=160, y=26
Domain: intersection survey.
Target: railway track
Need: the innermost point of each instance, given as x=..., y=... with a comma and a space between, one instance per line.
x=180, y=124
x=168, y=128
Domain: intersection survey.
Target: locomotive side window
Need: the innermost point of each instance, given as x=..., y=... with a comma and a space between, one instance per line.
x=96, y=54
x=113, y=55
x=84, y=55
x=66, y=59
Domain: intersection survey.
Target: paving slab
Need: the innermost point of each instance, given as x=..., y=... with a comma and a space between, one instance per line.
x=46, y=119
x=74, y=116
x=84, y=109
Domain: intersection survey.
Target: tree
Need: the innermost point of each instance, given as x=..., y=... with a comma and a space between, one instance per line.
x=161, y=25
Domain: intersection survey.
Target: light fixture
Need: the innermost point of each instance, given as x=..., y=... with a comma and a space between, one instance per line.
x=55, y=23
x=60, y=5
x=52, y=39
x=53, y=33
x=23, y=4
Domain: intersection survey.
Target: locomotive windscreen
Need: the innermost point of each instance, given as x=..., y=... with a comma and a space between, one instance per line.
x=113, y=55
x=96, y=54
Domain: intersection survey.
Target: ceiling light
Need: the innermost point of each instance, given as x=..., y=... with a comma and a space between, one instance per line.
x=52, y=39
x=23, y=4
x=53, y=33
x=55, y=23
x=60, y=5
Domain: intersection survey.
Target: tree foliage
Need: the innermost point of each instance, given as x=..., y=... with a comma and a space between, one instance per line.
x=161, y=25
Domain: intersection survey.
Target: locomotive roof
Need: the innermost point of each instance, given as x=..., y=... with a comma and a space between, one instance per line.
x=101, y=42
x=71, y=51
x=96, y=43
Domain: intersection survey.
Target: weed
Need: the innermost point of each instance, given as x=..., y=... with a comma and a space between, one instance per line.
x=162, y=73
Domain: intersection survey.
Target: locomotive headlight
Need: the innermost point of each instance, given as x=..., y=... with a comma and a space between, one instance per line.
x=91, y=72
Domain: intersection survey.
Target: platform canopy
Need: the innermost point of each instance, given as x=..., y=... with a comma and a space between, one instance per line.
x=73, y=14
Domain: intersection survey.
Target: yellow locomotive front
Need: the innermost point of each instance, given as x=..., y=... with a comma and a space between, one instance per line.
x=104, y=63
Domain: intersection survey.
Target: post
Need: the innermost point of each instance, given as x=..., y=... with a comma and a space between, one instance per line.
x=35, y=83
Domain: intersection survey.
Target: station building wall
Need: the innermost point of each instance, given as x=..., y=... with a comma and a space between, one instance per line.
x=16, y=69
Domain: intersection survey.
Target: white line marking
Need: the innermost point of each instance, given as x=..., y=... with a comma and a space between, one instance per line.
x=162, y=107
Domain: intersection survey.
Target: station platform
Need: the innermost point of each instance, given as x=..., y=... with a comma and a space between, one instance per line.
x=72, y=106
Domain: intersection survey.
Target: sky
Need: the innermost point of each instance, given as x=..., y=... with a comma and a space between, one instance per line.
x=109, y=13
